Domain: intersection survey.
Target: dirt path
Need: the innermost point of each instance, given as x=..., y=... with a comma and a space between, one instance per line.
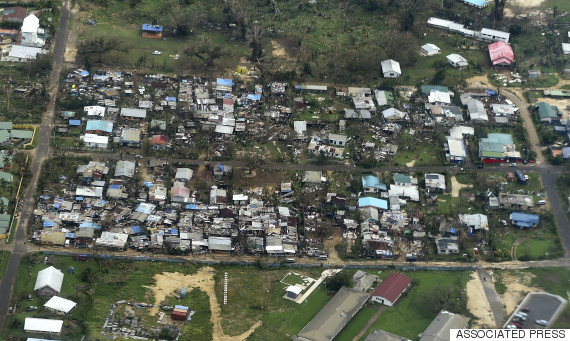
x=477, y=303
x=456, y=187
x=370, y=322
x=71, y=47
x=411, y=163
x=517, y=287
x=168, y=283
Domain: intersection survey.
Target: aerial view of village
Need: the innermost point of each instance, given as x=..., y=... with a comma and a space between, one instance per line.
x=306, y=170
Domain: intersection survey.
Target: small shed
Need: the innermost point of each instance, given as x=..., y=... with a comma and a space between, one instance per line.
x=151, y=31
x=293, y=291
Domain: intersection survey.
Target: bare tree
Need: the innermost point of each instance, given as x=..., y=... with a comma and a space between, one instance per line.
x=254, y=33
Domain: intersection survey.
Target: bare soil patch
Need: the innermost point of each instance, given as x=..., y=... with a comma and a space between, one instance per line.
x=456, y=187
x=477, y=303
x=168, y=283
x=71, y=46
x=518, y=285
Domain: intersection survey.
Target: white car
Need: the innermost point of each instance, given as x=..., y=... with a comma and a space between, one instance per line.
x=542, y=322
x=156, y=53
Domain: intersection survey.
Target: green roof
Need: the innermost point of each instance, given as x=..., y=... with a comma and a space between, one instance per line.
x=401, y=178
x=546, y=110
x=21, y=134
x=498, y=138
x=491, y=154
x=6, y=176
x=4, y=136
x=5, y=125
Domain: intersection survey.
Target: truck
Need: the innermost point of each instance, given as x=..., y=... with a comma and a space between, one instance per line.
x=521, y=178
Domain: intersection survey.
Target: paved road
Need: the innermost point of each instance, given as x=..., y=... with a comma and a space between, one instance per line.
x=41, y=153
x=492, y=297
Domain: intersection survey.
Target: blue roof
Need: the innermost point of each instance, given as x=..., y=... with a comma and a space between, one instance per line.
x=223, y=81
x=79, y=198
x=183, y=307
x=374, y=202
x=48, y=223
x=254, y=97
x=84, y=73
x=191, y=207
x=372, y=181
x=478, y=3
x=136, y=229
x=105, y=126
x=69, y=235
x=151, y=28
x=114, y=186
x=522, y=218
x=171, y=99
x=74, y=122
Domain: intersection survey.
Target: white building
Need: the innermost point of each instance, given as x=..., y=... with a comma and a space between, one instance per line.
x=391, y=69
x=49, y=282
x=95, y=141
x=60, y=305
x=456, y=60
x=430, y=49
x=22, y=54
x=29, y=30
x=490, y=35
x=34, y=325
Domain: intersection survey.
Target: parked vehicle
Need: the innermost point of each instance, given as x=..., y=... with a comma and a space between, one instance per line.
x=323, y=257
x=542, y=323
x=512, y=326
x=32, y=308
x=289, y=260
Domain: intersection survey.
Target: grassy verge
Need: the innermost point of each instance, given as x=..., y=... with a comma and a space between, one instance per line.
x=563, y=184
x=356, y=324
x=500, y=287
x=35, y=140
x=200, y=327
x=4, y=257
x=554, y=281
x=12, y=231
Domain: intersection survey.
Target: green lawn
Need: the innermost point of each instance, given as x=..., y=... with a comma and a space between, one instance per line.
x=255, y=294
x=292, y=279
x=419, y=306
x=563, y=184
x=356, y=324
x=416, y=147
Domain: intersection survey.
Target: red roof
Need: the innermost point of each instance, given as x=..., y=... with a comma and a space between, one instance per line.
x=501, y=53
x=159, y=139
x=392, y=287
x=16, y=13
x=180, y=191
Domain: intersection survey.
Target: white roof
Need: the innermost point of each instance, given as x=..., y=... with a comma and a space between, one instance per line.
x=390, y=65
x=133, y=112
x=184, y=173
x=439, y=22
x=60, y=304
x=240, y=197
x=300, y=127
x=49, y=277
x=430, y=48
x=380, y=97
x=404, y=191
x=27, y=52
x=456, y=147
x=565, y=48
x=31, y=24
x=94, y=138
x=491, y=32
x=42, y=325
x=439, y=97
x=112, y=239
x=460, y=131
x=477, y=221
x=294, y=289
x=393, y=112
x=95, y=110
x=224, y=129
x=457, y=59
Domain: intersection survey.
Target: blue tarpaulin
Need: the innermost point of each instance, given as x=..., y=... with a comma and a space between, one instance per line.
x=136, y=229
x=221, y=167
x=148, y=184
x=223, y=81
x=151, y=28
x=491, y=92
x=173, y=231
x=79, y=198
x=84, y=73
x=74, y=122
x=171, y=99
x=191, y=207
x=452, y=230
x=114, y=186
x=48, y=223
x=56, y=205
x=69, y=235
x=254, y=97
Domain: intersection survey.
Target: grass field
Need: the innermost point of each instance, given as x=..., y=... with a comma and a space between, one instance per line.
x=418, y=148
x=416, y=309
x=255, y=294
